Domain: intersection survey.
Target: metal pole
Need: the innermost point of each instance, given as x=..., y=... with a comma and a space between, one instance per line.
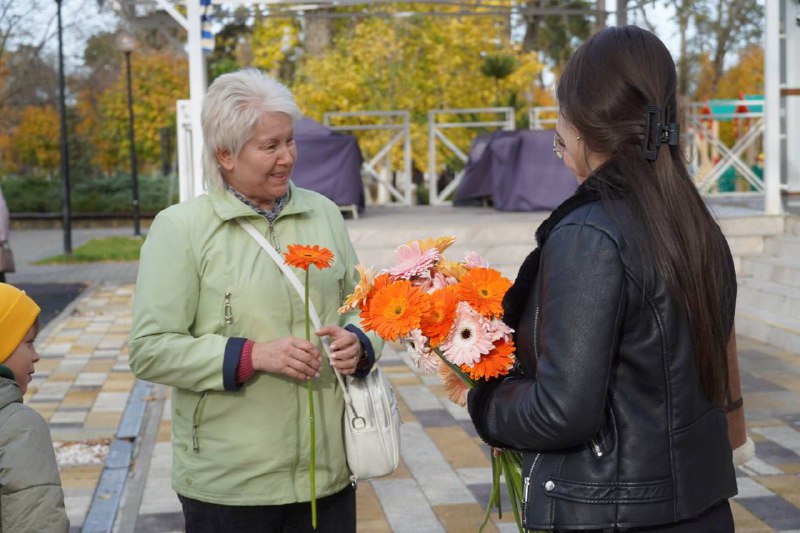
x=197, y=90
x=134, y=175
x=772, y=110
x=66, y=217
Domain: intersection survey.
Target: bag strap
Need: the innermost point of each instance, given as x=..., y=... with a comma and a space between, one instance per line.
x=298, y=287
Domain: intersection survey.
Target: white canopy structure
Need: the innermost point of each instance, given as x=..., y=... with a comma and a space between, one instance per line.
x=781, y=80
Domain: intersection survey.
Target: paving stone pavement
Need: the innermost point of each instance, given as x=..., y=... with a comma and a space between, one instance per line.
x=83, y=382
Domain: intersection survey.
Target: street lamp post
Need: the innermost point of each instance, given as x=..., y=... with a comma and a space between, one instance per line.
x=126, y=43
x=66, y=217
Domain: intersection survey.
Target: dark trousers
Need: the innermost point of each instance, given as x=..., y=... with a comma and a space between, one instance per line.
x=718, y=519
x=335, y=514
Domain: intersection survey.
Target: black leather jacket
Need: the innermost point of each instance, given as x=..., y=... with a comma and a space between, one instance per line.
x=608, y=407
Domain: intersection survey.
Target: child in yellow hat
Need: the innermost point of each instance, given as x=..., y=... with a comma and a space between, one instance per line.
x=31, y=498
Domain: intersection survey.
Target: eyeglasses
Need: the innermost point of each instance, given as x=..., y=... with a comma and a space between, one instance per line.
x=559, y=146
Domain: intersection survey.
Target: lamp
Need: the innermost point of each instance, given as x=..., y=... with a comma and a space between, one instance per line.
x=126, y=43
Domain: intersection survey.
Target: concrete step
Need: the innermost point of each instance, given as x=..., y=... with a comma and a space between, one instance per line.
x=775, y=329
x=753, y=225
x=786, y=246
x=772, y=297
x=783, y=270
x=793, y=225
x=744, y=245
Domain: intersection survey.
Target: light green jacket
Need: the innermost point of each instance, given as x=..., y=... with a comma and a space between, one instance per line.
x=31, y=498
x=203, y=280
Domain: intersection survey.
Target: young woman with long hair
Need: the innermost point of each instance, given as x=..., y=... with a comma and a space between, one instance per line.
x=623, y=317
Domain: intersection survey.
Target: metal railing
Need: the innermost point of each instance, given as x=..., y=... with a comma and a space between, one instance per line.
x=435, y=132
x=380, y=167
x=542, y=118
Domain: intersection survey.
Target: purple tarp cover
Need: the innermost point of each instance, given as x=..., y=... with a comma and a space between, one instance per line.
x=517, y=170
x=328, y=163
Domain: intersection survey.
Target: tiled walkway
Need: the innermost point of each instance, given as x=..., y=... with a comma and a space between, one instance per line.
x=83, y=382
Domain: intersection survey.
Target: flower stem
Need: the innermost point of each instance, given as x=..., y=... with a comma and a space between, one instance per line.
x=310, y=388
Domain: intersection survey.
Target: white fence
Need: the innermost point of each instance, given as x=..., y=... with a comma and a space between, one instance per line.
x=436, y=133
x=394, y=185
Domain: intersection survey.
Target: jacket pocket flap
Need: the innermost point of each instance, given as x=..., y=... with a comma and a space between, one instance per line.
x=640, y=492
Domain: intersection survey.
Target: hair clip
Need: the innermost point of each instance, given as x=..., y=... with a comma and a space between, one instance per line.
x=668, y=134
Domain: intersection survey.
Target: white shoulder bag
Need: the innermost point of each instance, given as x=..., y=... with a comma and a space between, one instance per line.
x=371, y=417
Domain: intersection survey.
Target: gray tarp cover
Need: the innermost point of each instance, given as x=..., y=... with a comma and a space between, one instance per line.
x=517, y=170
x=328, y=163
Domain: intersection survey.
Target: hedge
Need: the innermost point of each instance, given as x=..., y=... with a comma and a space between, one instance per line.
x=111, y=194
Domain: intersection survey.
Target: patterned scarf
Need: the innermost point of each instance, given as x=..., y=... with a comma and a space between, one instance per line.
x=270, y=215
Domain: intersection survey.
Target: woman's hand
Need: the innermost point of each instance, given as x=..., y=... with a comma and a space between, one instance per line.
x=346, y=349
x=291, y=357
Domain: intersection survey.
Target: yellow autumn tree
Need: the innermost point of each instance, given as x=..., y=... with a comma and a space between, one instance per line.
x=276, y=38
x=416, y=63
x=33, y=146
x=743, y=78
x=159, y=79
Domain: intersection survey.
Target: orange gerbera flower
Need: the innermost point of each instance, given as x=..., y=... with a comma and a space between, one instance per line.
x=483, y=289
x=303, y=256
x=454, y=386
x=437, y=323
x=440, y=243
x=361, y=292
x=396, y=309
x=494, y=364
x=379, y=282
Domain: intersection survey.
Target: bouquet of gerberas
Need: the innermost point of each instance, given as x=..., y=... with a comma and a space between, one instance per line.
x=449, y=315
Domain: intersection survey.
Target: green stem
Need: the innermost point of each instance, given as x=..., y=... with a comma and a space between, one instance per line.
x=513, y=484
x=494, y=496
x=310, y=388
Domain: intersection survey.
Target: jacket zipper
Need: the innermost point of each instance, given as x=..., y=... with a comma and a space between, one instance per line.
x=227, y=310
x=198, y=411
x=536, y=335
x=272, y=237
x=596, y=448
x=526, y=488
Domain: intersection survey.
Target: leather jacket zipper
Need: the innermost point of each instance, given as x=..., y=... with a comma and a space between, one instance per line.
x=526, y=485
x=536, y=334
x=198, y=411
x=596, y=448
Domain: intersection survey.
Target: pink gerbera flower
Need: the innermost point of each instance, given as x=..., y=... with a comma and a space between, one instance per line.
x=470, y=337
x=412, y=261
x=440, y=281
x=500, y=330
x=420, y=352
x=474, y=260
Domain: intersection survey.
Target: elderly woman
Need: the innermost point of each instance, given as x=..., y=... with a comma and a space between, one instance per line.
x=215, y=319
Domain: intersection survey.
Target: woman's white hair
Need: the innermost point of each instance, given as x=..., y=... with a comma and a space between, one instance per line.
x=233, y=105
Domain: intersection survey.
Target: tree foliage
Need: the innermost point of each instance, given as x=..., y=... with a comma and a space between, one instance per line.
x=159, y=79
x=34, y=145
x=419, y=64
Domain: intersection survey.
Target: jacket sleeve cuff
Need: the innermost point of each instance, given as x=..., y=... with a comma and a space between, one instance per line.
x=230, y=363
x=478, y=400
x=245, y=371
x=369, y=353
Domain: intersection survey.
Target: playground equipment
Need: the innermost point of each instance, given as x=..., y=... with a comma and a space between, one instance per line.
x=725, y=139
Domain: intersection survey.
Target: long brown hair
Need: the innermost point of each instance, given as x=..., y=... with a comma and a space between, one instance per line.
x=602, y=92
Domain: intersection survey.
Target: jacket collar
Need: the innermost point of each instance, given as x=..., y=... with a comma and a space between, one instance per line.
x=228, y=207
